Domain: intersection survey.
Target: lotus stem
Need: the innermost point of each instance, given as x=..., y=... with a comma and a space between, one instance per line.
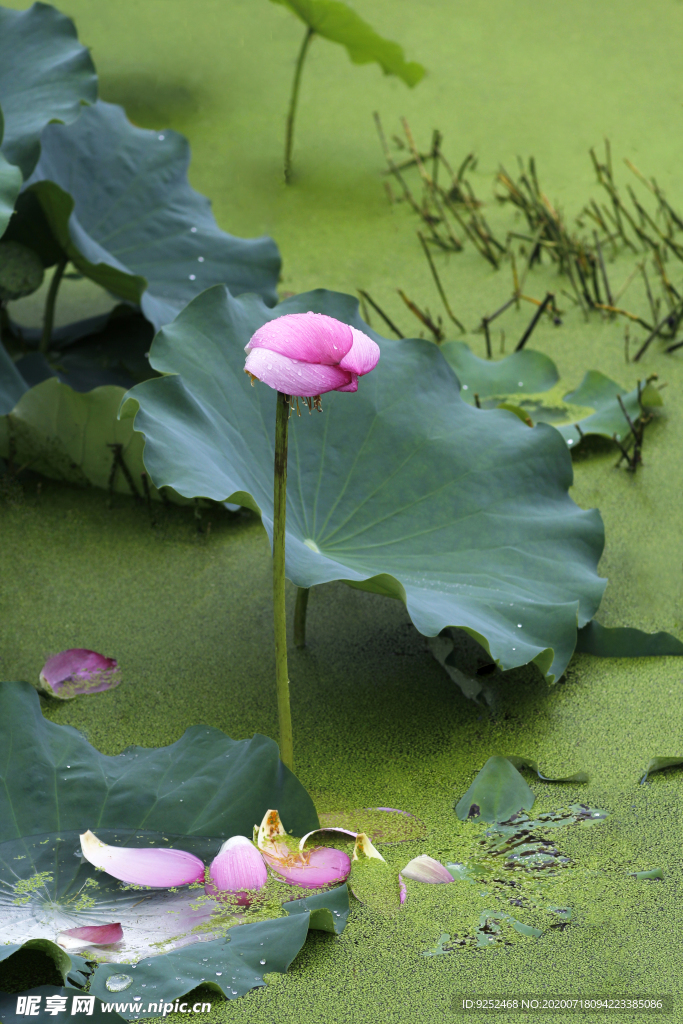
x=300, y=616
x=279, y=613
x=50, y=302
x=291, y=114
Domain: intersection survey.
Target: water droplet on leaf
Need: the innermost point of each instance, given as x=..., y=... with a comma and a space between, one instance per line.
x=118, y=982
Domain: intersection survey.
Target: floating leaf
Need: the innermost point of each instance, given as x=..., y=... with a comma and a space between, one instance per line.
x=498, y=792
x=401, y=489
x=647, y=876
x=329, y=910
x=340, y=24
x=526, y=762
x=45, y=75
x=626, y=642
x=204, y=784
x=600, y=393
x=233, y=966
x=526, y=372
x=658, y=764
x=119, y=204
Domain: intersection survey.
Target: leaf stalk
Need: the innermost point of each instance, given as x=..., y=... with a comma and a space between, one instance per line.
x=293, y=100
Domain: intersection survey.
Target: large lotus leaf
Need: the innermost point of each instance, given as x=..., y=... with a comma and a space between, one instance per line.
x=10, y=184
x=12, y=386
x=340, y=24
x=498, y=792
x=205, y=784
x=525, y=372
x=231, y=966
x=44, y=1014
x=401, y=489
x=119, y=204
x=67, y=435
x=45, y=75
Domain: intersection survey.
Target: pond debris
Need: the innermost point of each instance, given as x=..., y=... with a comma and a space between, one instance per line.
x=633, y=453
x=77, y=672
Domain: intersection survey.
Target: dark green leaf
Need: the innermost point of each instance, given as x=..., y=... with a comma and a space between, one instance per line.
x=647, y=876
x=498, y=792
x=340, y=24
x=12, y=387
x=59, y=956
x=526, y=762
x=526, y=372
x=119, y=204
x=600, y=393
x=21, y=271
x=329, y=910
x=232, y=966
x=401, y=489
x=45, y=75
x=658, y=764
x=8, y=1006
x=204, y=784
x=626, y=642
x=10, y=183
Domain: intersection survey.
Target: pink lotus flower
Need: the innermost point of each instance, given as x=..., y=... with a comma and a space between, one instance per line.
x=76, y=672
x=307, y=354
x=310, y=869
x=238, y=869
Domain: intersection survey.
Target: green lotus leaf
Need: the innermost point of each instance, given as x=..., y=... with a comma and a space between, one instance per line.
x=8, y=1006
x=231, y=966
x=527, y=762
x=329, y=910
x=626, y=642
x=12, y=387
x=10, y=184
x=205, y=784
x=340, y=24
x=21, y=271
x=600, y=393
x=69, y=435
x=520, y=373
x=119, y=205
x=401, y=489
x=45, y=75
x=658, y=764
x=497, y=793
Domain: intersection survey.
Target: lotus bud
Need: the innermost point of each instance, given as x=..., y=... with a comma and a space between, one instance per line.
x=426, y=869
x=90, y=935
x=238, y=869
x=77, y=672
x=151, y=867
x=307, y=354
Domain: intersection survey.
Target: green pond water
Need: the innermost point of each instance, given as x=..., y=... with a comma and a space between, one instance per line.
x=377, y=721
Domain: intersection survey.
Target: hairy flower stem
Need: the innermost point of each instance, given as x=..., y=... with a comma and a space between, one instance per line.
x=279, y=614
x=300, y=616
x=49, y=313
x=291, y=114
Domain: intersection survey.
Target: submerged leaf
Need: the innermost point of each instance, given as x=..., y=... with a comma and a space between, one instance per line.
x=526, y=762
x=647, y=876
x=497, y=793
x=626, y=642
x=340, y=24
x=401, y=489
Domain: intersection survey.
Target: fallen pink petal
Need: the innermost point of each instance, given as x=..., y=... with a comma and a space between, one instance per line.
x=238, y=869
x=426, y=869
x=91, y=935
x=151, y=867
x=402, y=889
x=312, y=869
x=77, y=672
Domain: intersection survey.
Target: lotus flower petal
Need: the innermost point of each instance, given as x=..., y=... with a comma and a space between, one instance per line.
x=426, y=869
x=331, y=828
x=312, y=868
x=364, y=849
x=78, y=671
x=90, y=935
x=402, y=889
x=303, y=380
x=310, y=337
x=153, y=867
x=363, y=355
x=269, y=831
x=238, y=868
x=353, y=386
